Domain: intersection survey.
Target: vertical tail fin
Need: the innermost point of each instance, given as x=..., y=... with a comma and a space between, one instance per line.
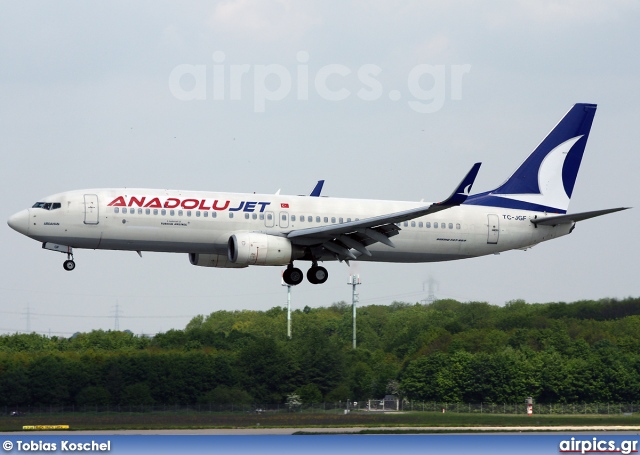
x=545, y=180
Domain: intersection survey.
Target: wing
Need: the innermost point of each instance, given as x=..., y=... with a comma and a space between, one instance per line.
x=339, y=239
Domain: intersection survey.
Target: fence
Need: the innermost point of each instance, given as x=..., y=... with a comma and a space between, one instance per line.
x=521, y=408
x=339, y=407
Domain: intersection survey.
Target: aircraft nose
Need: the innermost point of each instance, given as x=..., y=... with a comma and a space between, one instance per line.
x=20, y=222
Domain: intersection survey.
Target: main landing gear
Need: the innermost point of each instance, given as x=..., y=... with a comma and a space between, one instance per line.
x=315, y=275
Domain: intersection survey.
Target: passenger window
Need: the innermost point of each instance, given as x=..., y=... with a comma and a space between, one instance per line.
x=341, y=221
x=116, y=210
x=262, y=216
x=301, y=218
x=269, y=216
x=139, y=211
x=148, y=211
x=420, y=224
x=230, y=214
x=188, y=212
x=293, y=217
x=348, y=220
x=163, y=212
x=198, y=213
x=206, y=214
x=317, y=219
x=413, y=224
x=450, y=225
x=333, y=219
x=406, y=223
x=435, y=225
x=172, y=212
x=427, y=224
x=246, y=216
x=179, y=212
x=326, y=219
x=254, y=216
x=284, y=217
x=310, y=219
x=155, y=211
x=214, y=215
x=457, y=225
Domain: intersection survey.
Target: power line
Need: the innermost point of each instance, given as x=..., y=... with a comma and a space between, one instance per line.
x=97, y=317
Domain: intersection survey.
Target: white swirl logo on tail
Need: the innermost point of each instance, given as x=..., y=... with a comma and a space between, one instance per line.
x=552, y=193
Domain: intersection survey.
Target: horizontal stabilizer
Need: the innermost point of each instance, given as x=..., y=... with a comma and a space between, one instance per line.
x=573, y=218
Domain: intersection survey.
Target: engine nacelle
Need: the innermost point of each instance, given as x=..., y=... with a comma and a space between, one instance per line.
x=251, y=248
x=213, y=260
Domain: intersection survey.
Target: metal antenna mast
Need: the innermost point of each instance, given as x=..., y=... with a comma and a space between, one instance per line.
x=354, y=281
x=288, y=308
x=28, y=316
x=433, y=285
x=117, y=317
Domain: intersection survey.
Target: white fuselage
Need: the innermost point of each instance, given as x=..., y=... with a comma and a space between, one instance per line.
x=202, y=222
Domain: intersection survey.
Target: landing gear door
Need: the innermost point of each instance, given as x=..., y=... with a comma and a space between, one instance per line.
x=90, y=209
x=494, y=229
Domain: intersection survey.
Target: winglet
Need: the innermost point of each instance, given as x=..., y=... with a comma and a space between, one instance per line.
x=462, y=191
x=317, y=189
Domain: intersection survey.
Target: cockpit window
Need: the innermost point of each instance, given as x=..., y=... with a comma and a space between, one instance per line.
x=47, y=205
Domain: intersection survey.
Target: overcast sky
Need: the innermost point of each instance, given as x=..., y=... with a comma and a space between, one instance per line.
x=384, y=100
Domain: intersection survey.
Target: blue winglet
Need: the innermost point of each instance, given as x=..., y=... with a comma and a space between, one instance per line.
x=318, y=189
x=462, y=192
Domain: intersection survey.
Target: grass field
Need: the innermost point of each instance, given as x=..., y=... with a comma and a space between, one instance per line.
x=192, y=420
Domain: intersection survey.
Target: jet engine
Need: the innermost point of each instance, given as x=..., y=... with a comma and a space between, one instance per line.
x=251, y=248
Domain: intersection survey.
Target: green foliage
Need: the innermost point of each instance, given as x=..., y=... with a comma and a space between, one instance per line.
x=309, y=393
x=223, y=394
x=587, y=351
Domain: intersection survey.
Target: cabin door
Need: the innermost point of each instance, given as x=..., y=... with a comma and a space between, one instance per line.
x=494, y=229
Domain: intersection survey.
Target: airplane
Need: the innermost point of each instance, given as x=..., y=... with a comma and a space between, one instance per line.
x=236, y=230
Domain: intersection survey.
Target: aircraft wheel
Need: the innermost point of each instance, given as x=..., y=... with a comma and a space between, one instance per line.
x=69, y=265
x=317, y=275
x=293, y=276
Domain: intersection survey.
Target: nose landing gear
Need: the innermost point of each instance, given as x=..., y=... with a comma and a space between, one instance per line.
x=69, y=264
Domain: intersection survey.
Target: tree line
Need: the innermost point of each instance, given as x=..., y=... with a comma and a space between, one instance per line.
x=586, y=351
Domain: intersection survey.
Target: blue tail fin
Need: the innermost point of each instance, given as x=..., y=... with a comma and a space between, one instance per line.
x=545, y=181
